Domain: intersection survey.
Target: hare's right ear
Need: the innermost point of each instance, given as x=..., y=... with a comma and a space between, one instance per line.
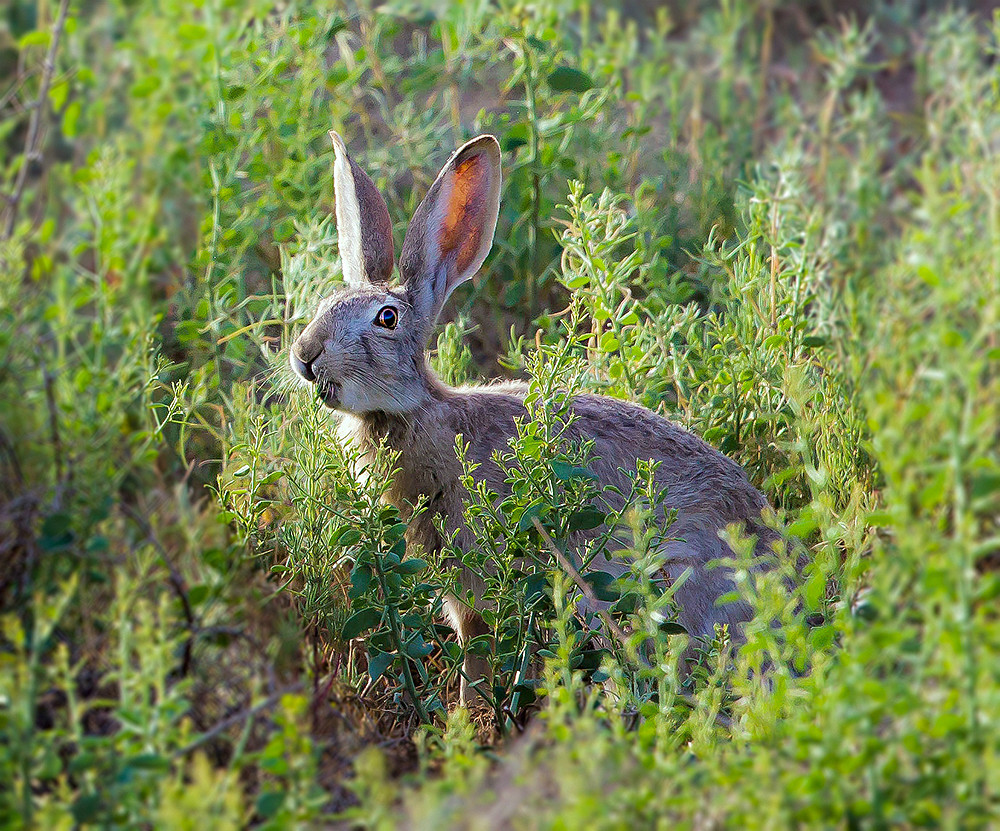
x=364, y=229
x=452, y=230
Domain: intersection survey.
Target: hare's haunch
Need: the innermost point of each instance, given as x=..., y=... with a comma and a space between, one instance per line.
x=365, y=351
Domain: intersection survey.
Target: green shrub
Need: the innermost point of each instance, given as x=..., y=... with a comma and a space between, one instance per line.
x=779, y=228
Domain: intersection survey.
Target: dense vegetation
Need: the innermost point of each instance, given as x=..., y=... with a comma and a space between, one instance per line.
x=777, y=225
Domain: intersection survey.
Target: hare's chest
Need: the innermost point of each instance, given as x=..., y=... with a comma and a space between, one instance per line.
x=426, y=470
x=430, y=503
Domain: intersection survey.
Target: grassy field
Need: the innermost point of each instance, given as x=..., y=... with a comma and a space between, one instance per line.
x=777, y=223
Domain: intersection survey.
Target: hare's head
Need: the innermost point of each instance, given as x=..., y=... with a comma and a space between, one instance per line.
x=365, y=347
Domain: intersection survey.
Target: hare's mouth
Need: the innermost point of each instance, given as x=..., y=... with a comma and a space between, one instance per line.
x=329, y=394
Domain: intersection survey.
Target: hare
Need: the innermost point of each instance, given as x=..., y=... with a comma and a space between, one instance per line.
x=365, y=352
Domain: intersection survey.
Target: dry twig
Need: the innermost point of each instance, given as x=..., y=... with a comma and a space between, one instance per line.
x=583, y=585
x=238, y=718
x=613, y=627
x=175, y=579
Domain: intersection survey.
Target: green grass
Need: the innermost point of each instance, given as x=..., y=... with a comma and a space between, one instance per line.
x=776, y=225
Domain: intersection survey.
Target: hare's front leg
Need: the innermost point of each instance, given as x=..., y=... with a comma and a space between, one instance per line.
x=469, y=625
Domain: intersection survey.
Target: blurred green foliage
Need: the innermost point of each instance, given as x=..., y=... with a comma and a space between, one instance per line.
x=776, y=222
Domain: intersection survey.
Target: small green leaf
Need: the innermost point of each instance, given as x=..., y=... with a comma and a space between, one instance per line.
x=532, y=512
x=360, y=622
x=335, y=25
x=395, y=532
x=984, y=484
x=197, y=594
x=379, y=663
x=56, y=532
x=149, y=761
x=411, y=566
x=569, y=79
x=526, y=695
x=348, y=537
x=418, y=648
x=56, y=525
x=603, y=585
x=361, y=578
x=516, y=136
x=37, y=38
x=564, y=471
x=585, y=519
x=269, y=803
x=87, y=807
x=216, y=559
x=85, y=761
x=338, y=74
x=814, y=589
x=51, y=765
x=822, y=637
x=57, y=95
x=271, y=478
x=803, y=526
x=928, y=275
x=283, y=231
x=588, y=660
x=191, y=32
x=627, y=605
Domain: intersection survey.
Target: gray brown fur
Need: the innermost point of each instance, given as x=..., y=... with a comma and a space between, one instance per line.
x=381, y=379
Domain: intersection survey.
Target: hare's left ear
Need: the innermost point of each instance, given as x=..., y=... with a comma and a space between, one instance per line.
x=452, y=231
x=364, y=229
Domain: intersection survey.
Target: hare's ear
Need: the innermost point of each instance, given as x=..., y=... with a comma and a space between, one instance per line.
x=452, y=231
x=363, y=225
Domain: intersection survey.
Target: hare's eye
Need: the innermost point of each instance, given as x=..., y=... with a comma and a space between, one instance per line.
x=387, y=317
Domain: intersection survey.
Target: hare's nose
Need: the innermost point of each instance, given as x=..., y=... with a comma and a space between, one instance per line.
x=303, y=368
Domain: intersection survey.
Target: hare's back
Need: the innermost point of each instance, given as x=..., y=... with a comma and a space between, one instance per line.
x=484, y=415
x=708, y=490
x=695, y=474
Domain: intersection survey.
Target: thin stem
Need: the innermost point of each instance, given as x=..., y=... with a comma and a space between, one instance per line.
x=210, y=270
x=774, y=260
x=397, y=642
x=236, y=718
x=176, y=580
x=35, y=123
x=522, y=672
x=536, y=180
x=582, y=585
x=57, y=447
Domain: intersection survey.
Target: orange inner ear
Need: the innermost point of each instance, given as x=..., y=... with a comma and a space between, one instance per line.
x=463, y=221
